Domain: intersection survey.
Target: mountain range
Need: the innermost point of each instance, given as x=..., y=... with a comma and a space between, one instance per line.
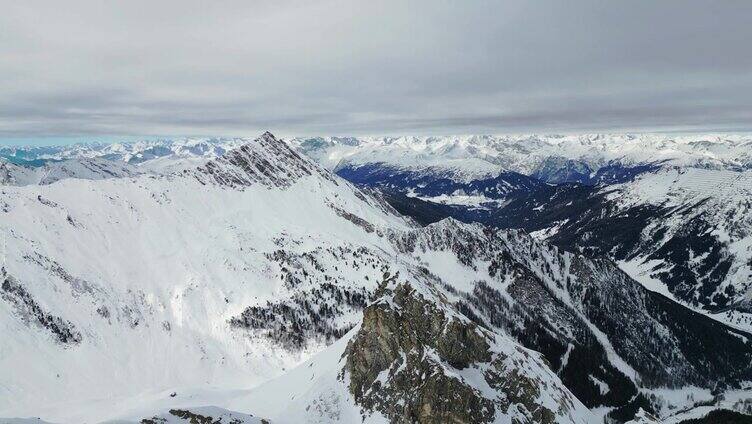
x=471, y=279
x=673, y=211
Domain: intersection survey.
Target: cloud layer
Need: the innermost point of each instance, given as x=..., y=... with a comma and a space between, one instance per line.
x=357, y=67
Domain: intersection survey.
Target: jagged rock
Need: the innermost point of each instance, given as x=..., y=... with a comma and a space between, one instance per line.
x=202, y=415
x=416, y=360
x=32, y=313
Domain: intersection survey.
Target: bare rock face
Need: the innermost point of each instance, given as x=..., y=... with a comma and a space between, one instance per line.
x=31, y=312
x=416, y=360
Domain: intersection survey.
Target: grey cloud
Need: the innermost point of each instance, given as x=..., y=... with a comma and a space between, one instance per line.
x=352, y=67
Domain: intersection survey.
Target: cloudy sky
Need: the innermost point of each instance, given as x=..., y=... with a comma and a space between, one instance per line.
x=88, y=69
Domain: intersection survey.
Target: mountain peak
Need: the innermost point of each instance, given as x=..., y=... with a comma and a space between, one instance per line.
x=267, y=135
x=266, y=160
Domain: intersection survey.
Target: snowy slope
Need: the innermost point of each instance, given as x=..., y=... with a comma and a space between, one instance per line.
x=505, y=378
x=326, y=389
x=722, y=200
x=191, y=415
x=683, y=232
x=218, y=279
x=128, y=288
x=80, y=168
x=145, y=272
x=12, y=174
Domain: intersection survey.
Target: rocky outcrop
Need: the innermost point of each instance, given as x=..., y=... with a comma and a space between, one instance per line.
x=32, y=313
x=604, y=334
x=202, y=415
x=415, y=359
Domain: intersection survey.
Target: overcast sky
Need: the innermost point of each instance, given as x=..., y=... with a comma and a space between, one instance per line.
x=138, y=68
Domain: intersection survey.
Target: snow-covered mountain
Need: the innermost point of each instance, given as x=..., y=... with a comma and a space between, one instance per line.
x=111, y=272
x=11, y=174
x=684, y=232
x=152, y=155
x=79, y=168
x=554, y=158
x=259, y=282
x=674, y=210
x=123, y=289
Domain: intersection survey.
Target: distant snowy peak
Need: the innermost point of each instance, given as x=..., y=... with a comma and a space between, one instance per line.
x=187, y=148
x=481, y=155
x=434, y=154
x=134, y=153
x=237, y=162
x=441, y=186
x=88, y=169
x=140, y=152
x=12, y=174
x=82, y=168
